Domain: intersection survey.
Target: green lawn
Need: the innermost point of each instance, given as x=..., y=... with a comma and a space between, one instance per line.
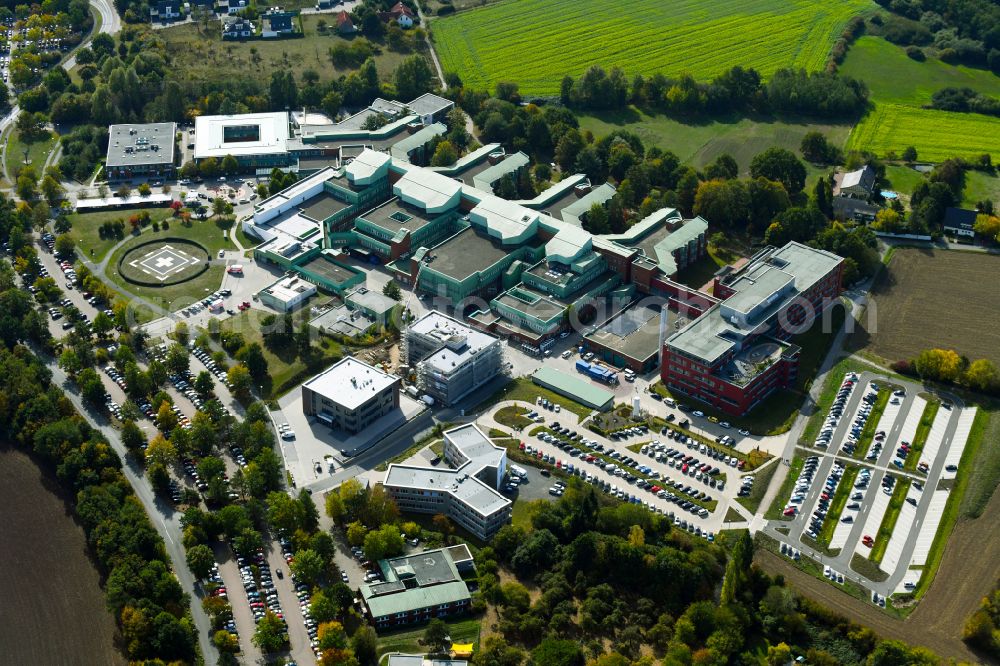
x=785, y=492
x=980, y=186
x=38, y=151
x=920, y=438
x=199, y=55
x=86, y=226
x=464, y=630
x=537, y=42
x=761, y=481
x=904, y=180
x=701, y=272
x=700, y=143
x=177, y=296
x=513, y=417
x=895, y=78
x=285, y=366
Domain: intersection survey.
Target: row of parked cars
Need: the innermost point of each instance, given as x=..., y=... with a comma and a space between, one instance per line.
x=220, y=591
x=822, y=509
x=836, y=410
x=213, y=367
x=624, y=467
x=260, y=590
x=304, y=595
x=802, y=484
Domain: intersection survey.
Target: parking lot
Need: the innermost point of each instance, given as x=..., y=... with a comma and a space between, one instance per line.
x=670, y=473
x=889, y=506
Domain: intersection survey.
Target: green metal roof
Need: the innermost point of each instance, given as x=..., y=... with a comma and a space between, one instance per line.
x=414, y=599
x=575, y=388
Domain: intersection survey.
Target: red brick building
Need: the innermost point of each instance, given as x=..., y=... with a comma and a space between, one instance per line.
x=736, y=353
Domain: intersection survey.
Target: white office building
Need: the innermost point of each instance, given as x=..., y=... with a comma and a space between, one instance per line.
x=451, y=359
x=466, y=492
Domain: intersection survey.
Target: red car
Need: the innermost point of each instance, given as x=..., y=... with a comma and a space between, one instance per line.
x=868, y=541
x=684, y=469
x=521, y=446
x=790, y=511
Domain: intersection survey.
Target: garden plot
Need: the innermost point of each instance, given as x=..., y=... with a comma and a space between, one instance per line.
x=900, y=533
x=925, y=539
x=874, y=519
x=954, y=454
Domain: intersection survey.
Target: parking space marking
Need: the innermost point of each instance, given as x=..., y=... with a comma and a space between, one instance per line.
x=874, y=518
x=936, y=437
x=901, y=532
x=925, y=537
x=962, y=430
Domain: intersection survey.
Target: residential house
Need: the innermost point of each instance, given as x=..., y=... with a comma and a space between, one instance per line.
x=230, y=7
x=239, y=28
x=345, y=26
x=858, y=184
x=960, y=222
x=164, y=11
x=401, y=14
x=277, y=23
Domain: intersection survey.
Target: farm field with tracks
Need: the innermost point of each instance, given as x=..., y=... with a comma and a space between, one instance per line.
x=928, y=298
x=537, y=42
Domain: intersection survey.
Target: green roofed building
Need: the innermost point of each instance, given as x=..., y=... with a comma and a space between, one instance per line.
x=576, y=389
x=419, y=588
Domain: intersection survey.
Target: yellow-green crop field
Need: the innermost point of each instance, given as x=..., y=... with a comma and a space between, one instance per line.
x=937, y=135
x=536, y=42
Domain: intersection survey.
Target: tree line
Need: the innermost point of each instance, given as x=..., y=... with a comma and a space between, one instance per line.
x=959, y=31
x=824, y=95
x=614, y=585
x=141, y=591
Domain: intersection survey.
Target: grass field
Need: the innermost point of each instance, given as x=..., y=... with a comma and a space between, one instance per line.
x=760, y=483
x=537, y=42
x=980, y=186
x=937, y=135
x=198, y=55
x=920, y=438
x=465, y=630
x=904, y=180
x=38, y=151
x=900, y=86
x=933, y=298
x=283, y=365
x=176, y=296
x=86, y=225
x=701, y=272
x=699, y=144
x=895, y=78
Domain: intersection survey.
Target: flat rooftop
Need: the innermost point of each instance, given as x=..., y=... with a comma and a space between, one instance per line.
x=289, y=288
x=458, y=341
x=458, y=483
x=141, y=145
x=240, y=135
x=342, y=320
x=465, y=253
x=322, y=206
x=394, y=215
x=573, y=387
x=372, y=300
x=634, y=332
x=350, y=382
x=526, y=300
x=328, y=269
